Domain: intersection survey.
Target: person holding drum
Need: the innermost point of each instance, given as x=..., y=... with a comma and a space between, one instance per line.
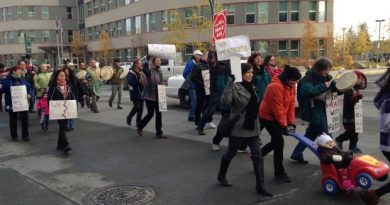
x=116, y=84
x=154, y=78
x=315, y=82
x=95, y=83
x=351, y=97
x=15, y=79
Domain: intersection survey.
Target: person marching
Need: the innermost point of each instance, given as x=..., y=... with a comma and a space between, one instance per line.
x=83, y=82
x=277, y=115
x=135, y=79
x=95, y=84
x=351, y=97
x=154, y=78
x=3, y=76
x=43, y=109
x=242, y=99
x=42, y=81
x=15, y=78
x=116, y=84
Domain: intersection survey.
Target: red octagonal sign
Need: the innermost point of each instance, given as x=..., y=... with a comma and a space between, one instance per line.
x=219, y=26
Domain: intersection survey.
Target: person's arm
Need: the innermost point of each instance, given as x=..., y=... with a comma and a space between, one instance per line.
x=36, y=82
x=277, y=107
x=291, y=109
x=311, y=90
x=187, y=69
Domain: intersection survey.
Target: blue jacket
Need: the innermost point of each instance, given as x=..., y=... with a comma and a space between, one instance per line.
x=6, y=89
x=187, y=71
x=136, y=89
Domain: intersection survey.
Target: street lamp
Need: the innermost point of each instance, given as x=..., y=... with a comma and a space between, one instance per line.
x=379, y=38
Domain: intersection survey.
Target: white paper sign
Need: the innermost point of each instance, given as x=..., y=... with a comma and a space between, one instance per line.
x=333, y=115
x=234, y=46
x=235, y=65
x=164, y=51
x=162, y=98
x=206, y=81
x=19, y=98
x=62, y=109
x=359, y=117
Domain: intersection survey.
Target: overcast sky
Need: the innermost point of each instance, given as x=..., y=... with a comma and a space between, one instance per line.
x=352, y=12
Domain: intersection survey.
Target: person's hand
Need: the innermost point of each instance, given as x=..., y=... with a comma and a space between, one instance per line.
x=291, y=128
x=327, y=84
x=232, y=77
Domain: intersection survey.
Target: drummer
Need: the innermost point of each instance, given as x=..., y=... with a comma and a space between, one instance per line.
x=94, y=83
x=82, y=77
x=116, y=84
x=316, y=81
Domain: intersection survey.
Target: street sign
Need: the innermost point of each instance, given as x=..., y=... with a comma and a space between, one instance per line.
x=219, y=25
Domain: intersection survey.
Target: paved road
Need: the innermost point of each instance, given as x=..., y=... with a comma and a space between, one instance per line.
x=181, y=170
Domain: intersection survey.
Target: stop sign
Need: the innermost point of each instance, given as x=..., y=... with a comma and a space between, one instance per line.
x=219, y=25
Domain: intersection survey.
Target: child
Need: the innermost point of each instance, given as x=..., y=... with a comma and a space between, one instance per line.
x=330, y=154
x=43, y=108
x=351, y=97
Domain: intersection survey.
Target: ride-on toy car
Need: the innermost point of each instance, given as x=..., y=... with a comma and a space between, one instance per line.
x=361, y=171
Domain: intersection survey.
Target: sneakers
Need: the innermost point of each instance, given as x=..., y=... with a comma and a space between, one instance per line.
x=162, y=136
x=110, y=104
x=120, y=107
x=215, y=147
x=200, y=131
x=299, y=160
x=284, y=179
x=139, y=131
x=370, y=197
x=211, y=125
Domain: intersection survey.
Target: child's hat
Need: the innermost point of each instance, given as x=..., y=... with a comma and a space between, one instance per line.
x=324, y=138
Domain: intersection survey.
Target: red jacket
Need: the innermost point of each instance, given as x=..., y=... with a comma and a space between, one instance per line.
x=278, y=103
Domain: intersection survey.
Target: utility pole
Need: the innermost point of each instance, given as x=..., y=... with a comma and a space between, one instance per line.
x=343, y=44
x=379, y=38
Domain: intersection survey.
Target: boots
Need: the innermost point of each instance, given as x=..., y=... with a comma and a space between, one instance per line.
x=259, y=173
x=370, y=197
x=222, y=172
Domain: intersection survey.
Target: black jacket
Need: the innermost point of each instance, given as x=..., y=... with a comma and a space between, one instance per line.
x=196, y=75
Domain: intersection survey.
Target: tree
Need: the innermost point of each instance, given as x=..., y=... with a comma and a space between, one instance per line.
x=350, y=41
x=78, y=45
x=308, y=48
x=177, y=30
x=105, y=46
x=363, y=41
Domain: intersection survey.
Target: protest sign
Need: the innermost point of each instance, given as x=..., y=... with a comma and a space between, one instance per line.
x=219, y=25
x=333, y=115
x=162, y=98
x=164, y=51
x=19, y=98
x=62, y=109
x=234, y=46
x=235, y=66
x=359, y=117
x=206, y=81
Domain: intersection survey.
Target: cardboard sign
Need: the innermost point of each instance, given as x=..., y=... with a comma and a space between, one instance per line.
x=162, y=98
x=235, y=65
x=164, y=51
x=62, y=109
x=19, y=98
x=219, y=25
x=206, y=81
x=359, y=117
x=234, y=46
x=333, y=115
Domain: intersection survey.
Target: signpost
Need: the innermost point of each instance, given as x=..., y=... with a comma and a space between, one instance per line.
x=219, y=25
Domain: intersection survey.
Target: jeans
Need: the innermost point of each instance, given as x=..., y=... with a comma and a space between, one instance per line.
x=210, y=109
x=138, y=107
x=69, y=123
x=312, y=132
x=276, y=145
x=13, y=123
x=62, y=139
x=192, y=95
x=116, y=88
x=152, y=107
x=202, y=100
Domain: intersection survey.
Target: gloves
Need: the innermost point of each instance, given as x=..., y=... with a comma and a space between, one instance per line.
x=337, y=158
x=232, y=77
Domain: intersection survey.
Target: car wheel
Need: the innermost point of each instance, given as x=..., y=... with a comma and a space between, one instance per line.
x=330, y=187
x=184, y=98
x=364, y=180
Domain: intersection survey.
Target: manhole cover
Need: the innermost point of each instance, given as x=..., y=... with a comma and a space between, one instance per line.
x=121, y=195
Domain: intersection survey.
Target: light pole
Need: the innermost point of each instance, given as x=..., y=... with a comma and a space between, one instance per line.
x=379, y=38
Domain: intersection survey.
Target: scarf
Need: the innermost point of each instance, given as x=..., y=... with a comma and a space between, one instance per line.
x=252, y=107
x=15, y=76
x=61, y=84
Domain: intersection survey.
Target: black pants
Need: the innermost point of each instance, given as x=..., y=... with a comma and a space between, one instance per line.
x=152, y=107
x=62, y=140
x=350, y=135
x=385, y=188
x=276, y=144
x=138, y=108
x=13, y=123
x=201, y=104
x=219, y=136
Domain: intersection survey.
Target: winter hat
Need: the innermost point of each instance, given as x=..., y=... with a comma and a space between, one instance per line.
x=323, y=139
x=245, y=67
x=291, y=73
x=363, y=78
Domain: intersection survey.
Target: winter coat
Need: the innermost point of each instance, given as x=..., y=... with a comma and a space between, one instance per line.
x=197, y=77
x=261, y=80
x=43, y=105
x=326, y=156
x=55, y=93
x=382, y=102
x=6, y=89
x=351, y=97
x=187, y=71
x=311, y=85
x=95, y=81
x=116, y=80
x=136, y=88
x=41, y=82
x=278, y=103
x=237, y=97
x=154, y=78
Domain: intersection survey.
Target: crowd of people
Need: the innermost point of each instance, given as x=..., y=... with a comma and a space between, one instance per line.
x=263, y=98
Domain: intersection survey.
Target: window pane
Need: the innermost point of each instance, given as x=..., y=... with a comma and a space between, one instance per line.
x=294, y=16
x=282, y=17
x=321, y=11
x=250, y=18
x=313, y=6
x=294, y=48
x=231, y=12
x=295, y=6
x=263, y=12
x=128, y=26
x=250, y=8
x=138, y=24
x=282, y=48
x=282, y=6
x=282, y=11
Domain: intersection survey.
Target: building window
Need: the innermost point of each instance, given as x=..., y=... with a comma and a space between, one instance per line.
x=45, y=12
x=9, y=14
x=19, y=13
x=263, y=12
x=95, y=7
x=200, y=19
x=282, y=49
x=250, y=13
x=31, y=13
x=294, y=48
x=164, y=19
x=95, y=33
x=321, y=47
x=10, y=37
x=283, y=11
x=69, y=12
x=321, y=11
x=153, y=23
x=109, y=4
x=33, y=36
x=312, y=10
x=70, y=36
x=147, y=22
x=102, y=6
x=89, y=31
x=128, y=26
x=46, y=36
x=118, y=28
x=188, y=52
x=231, y=13
x=261, y=47
x=89, y=8
x=138, y=28
x=188, y=17
x=294, y=11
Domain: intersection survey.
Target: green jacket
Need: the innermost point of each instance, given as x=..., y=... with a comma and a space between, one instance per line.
x=310, y=86
x=261, y=81
x=116, y=77
x=41, y=81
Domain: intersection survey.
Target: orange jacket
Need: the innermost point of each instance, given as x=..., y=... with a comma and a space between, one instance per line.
x=278, y=103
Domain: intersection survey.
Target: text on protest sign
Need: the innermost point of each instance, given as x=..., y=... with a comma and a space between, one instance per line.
x=219, y=25
x=164, y=51
x=62, y=109
x=359, y=117
x=206, y=81
x=333, y=115
x=162, y=98
x=19, y=98
x=234, y=46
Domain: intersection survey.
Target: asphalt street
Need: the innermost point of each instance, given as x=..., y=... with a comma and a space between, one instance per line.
x=180, y=170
